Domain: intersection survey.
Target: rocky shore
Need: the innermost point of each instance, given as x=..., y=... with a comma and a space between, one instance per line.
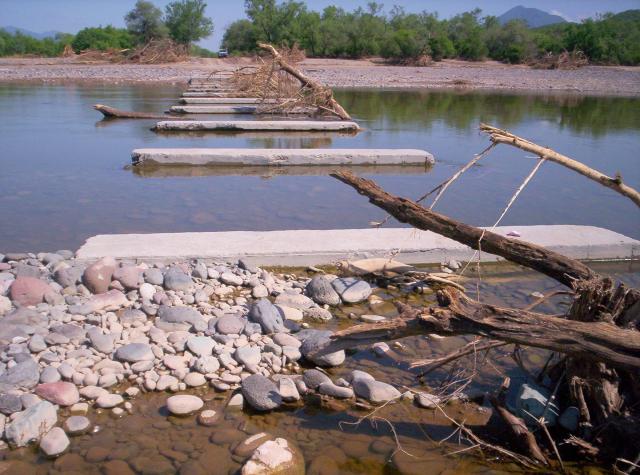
x=448, y=74
x=78, y=338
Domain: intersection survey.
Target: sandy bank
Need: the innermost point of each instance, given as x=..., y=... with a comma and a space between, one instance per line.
x=621, y=81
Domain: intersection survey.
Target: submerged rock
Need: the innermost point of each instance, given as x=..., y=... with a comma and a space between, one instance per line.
x=274, y=457
x=184, y=404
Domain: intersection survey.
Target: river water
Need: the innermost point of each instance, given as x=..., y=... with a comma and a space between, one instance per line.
x=63, y=175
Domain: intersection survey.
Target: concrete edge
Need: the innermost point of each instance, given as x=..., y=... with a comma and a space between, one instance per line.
x=313, y=247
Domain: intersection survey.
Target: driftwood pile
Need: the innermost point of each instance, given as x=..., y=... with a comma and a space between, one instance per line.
x=281, y=80
x=565, y=60
x=156, y=51
x=596, y=342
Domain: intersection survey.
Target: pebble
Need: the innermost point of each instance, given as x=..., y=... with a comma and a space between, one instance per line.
x=200, y=345
x=209, y=417
x=147, y=291
x=107, y=401
x=54, y=443
x=134, y=352
x=261, y=393
x=288, y=390
x=60, y=393
x=77, y=425
x=184, y=404
x=351, y=290
x=314, y=378
x=176, y=279
x=230, y=278
x=318, y=314
x=230, y=325
x=330, y=389
x=320, y=290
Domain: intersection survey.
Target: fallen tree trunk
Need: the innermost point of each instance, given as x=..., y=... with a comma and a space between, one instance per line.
x=306, y=81
x=459, y=315
x=550, y=263
x=502, y=136
x=113, y=113
x=599, y=334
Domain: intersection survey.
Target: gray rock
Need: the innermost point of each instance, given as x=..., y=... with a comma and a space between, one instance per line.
x=246, y=265
x=54, y=338
x=184, y=404
x=37, y=344
x=72, y=331
x=207, y=364
x=68, y=276
x=267, y=315
x=230, y=278
x=259, y=292
x=129, y=276
x=200, y=271
x=375, y=391
x=330, y=389
x=252, y=328
x=133, y=315
x=312, y=342
x=299, y=301
x=230, y=325
x=285, y=339
x=101, y=342
x=314, y=378
x=185, y=315
x=288, y=390
x=319, y=289
x=153, y=276
x=359, y=374
x=10, y=403
x=261, y=393
x=54, y=443
x=351, y=290
x=50, y=375
x=318, y=314
x=200, y=345
x=176, y=279
x=25, y=374
x=30, y=424
x=134, y=352
x=248, y=355
x=77, y=425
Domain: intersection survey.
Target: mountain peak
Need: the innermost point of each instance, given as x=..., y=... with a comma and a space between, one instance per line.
x=533, y=17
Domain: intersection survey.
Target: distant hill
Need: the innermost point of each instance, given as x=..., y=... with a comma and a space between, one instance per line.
x=627, y=15
x=40, y=36
x=533, y=17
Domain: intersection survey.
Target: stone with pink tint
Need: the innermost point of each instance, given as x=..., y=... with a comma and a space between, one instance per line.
x=97, y=276
x=60, y=393
x=129, y=276
x=29, y=291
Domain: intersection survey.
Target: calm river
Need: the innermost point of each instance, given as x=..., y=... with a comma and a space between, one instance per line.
x=63, y=175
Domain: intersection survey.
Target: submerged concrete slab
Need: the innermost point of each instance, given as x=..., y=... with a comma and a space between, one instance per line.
x=226, y=100
x=279, y=156
x=208, y=94
x=261, y=125
x=228, y=109
x=312, y=247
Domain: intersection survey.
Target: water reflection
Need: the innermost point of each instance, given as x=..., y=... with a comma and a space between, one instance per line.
x=62, y=178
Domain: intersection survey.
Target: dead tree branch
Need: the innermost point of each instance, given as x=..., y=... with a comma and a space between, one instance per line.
x=550, y=263
x=503, y=136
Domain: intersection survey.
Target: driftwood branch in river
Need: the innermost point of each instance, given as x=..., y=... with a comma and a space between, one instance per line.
x=502, y=136
x=113, y=113
x=555, y=265
x=459, y=315
x=306, y=81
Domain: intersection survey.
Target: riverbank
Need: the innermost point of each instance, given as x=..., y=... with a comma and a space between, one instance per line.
x=448, y=74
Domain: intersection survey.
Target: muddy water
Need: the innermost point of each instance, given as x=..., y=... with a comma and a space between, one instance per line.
x=333, y=439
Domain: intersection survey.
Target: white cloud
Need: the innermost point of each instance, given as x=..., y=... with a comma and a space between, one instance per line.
x=560, y=14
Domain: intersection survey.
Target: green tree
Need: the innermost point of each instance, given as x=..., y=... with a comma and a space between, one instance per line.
x=240, y=37
x=187, y=22
x=278, y=24
x=145, y=23
x=466, y=33
x=102, y=38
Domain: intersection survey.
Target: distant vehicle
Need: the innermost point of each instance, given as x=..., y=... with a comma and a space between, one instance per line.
x=223, y=53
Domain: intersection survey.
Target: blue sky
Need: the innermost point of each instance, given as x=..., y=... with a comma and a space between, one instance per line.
x=72, y=15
